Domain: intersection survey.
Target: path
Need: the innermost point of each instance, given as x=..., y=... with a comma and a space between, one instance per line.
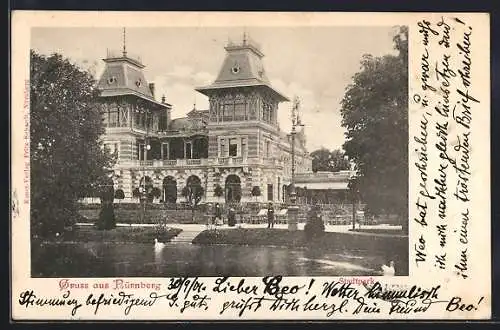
x=188, y=233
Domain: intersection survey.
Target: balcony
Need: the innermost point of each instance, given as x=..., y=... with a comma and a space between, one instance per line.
x=230, y=161
x=243, y=161
x=218, y=162
x=163, y=163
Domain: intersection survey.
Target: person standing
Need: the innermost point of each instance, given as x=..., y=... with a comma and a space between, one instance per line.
x=217, y=214
x=270, y=216
x=231, y=217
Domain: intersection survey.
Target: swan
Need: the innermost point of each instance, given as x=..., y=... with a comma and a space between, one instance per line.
x=389, y=270
x=159, y=245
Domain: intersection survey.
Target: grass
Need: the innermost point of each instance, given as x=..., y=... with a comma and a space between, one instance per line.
x=253, y=236
x=119, y=234
x=284, y=237
x=390, y=231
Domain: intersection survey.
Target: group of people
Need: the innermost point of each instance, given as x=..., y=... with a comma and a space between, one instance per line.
x=216, y=219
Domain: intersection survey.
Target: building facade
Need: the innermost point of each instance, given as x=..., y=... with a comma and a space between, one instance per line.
x=236, y=144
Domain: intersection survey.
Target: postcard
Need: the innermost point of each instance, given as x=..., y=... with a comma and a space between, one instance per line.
x=250, y=166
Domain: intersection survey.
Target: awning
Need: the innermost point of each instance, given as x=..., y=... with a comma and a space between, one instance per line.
x=323, y=185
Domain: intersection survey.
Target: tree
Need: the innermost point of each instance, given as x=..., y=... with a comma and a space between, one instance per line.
x=218, y=191
x=256, y=192
x=67, y=156
x=136, y=193
x=146, y=189
x=375, y=114
x=106, y=218
x=329, y=161
x=155, y=193
x=315, y=227
x=193, y=192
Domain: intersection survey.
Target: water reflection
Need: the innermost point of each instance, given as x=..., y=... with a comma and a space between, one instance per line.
x=99, y=259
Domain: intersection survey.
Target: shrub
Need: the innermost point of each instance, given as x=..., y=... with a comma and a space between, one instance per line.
x=156, y=192
x=314, y=227
x=218, y=191
x=119, y=194
x=136, y=193
x=106, y=217
x=256, y=192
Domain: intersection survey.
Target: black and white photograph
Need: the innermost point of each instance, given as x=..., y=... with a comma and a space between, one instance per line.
x=219, y=151
x=193, y=166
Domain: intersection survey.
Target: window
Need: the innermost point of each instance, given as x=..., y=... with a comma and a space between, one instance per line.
x=188, y=150
x=116, y=148
x=149, y=121
x=221, y=148
x=227, y=111
x=269, y=192
x=113, y=117
x=163, y=122
x=244, y=149
x=268, y=148
x=239, y=111
x=110, y=116
x=137, y=118
x=165, y=150
x=233, y=148
x=265, y=112
x=140, y=151
x=279, y=185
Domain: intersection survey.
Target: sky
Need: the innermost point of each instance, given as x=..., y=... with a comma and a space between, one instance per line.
x=314, y=63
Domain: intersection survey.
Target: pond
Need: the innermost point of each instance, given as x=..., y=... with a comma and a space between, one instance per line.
x=100, y=259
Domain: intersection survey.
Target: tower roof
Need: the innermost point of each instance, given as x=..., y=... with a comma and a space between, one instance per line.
x=242, y=67
x=123, y=75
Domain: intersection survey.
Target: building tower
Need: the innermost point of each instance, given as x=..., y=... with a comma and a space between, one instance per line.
x=244, y=135
x=130, y=114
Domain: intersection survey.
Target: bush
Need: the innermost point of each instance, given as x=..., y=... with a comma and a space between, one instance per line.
x=218, y=191
x=314, y=227
x=106, y=217
x=156, y=192
x=119, y=194
x=136, y=193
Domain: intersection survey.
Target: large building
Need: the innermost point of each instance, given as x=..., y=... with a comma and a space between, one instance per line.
x=236, y=144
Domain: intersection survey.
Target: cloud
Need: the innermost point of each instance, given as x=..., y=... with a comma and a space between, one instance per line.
x=203, y=78
x=95, y=67
x=319, y=114
x=181, y=95
x=181, y=71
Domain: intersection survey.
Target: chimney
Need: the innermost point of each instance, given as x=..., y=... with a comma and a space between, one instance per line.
x=152, y=89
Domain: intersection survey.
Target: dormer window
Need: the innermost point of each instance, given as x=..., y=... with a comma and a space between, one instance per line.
x=235, y=69
x=138, y=83
x=111, y=80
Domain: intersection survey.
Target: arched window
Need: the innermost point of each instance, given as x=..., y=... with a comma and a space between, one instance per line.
x=169, y=193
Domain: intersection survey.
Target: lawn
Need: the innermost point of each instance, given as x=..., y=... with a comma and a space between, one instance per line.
x=389, y=231
x=119, y=234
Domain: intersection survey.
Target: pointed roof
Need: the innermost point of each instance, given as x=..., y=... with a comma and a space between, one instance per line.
x=123, y=75
x=242, y=67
